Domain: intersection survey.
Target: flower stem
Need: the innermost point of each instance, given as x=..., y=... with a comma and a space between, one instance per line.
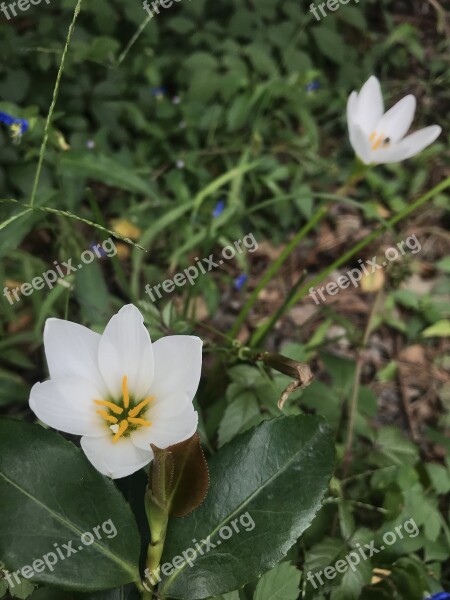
x=155, y=550
x=53, y=104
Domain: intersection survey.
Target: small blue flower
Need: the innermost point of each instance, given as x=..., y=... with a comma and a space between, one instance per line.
x=180, y=164
x=99, y=249
x=240, y=281
x=17, y=126
x=439, y=596
x=312, y=86
x=220, y=207
x=159, y=92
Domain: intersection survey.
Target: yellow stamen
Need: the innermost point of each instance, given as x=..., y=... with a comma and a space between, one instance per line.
x=107, y=417
x=123, y=426
x=137, y=409
x=125, y=395
x=113, y=407
x=377, y=141
x=137, y=421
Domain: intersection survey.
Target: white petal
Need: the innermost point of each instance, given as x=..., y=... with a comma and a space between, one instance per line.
x=67, y=405
x=370, y=105
x=115, y=460
x=168, y=431
x=126, y=349
x=167, y=407
x=409, y=146
x=72, y=351
x=178, y=366
x=352, y=108
x=361, y=144
x=396, y=122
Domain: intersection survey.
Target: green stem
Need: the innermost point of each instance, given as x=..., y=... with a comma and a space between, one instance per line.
x=353, y=409
x=134, y=39
x=53, y=104
x=261, y=333
x=273, y=269
x=155, y=549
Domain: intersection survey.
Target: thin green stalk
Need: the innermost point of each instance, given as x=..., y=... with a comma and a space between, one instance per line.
x=353, y=407
x=273, y=269
x=261, y=333
x=134, y=39
x=53, y=104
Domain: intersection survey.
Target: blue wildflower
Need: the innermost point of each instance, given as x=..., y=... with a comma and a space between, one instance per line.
x=98, y=249
x=220, y=207
x=312, y=86
x=240, y=281
x=16, y=126
x=439, y=596
x=159, y=92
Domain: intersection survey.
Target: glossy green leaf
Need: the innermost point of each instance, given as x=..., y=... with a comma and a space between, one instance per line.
x=281, y=583
x=284, y=463
x=49, y=497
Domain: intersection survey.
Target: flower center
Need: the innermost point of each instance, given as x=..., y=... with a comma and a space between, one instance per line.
x=378, y=140
x=123, y=419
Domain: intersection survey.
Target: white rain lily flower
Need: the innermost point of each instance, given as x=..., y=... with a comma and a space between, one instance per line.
x=379, y=137
x=118, y=390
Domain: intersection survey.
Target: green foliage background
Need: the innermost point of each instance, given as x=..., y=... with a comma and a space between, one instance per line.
x=247, y=127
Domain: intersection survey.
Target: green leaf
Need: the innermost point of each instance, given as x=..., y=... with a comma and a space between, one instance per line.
x=440, y=477
x=12, y=388
x=281, y=583
x=444, y=264
x=92, y=294
x=354, y=16
x=439, y=329
x=181, y=25
x=50, y=494
x=284, y=463
x=329, y=43
x=394, y=448
x=239, y=416
x=105, y=169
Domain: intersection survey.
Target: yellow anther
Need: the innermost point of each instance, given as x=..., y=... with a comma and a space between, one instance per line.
x=123, y=426
x=107, y=417
x=137, y=409
x=118, y=410
x=125, y=395
x=377, y=141
x=137, y=421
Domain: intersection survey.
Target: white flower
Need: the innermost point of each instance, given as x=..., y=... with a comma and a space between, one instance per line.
x=118, y=390
x=378, y=137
